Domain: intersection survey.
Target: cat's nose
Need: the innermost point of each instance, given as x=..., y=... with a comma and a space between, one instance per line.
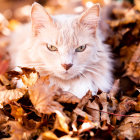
x=66, y=66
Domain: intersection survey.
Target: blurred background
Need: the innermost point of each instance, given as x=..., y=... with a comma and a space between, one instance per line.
x=20, y=9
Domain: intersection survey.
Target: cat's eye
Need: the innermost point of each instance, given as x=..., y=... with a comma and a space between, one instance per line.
x=51, y=48
x=80, y=49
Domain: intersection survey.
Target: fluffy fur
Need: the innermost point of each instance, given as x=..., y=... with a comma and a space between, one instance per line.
x=91, y=68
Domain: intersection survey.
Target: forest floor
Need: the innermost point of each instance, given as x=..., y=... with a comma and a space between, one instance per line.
x=37, y=112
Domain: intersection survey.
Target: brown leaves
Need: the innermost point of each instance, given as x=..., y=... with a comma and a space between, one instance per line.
x=125, y=41
x=17, y=131
x=48, y=135
x=125, y=106
x=42, y=97
x=133, y=69
x=29, y=76
x=6, y=96
x=60, y=122
x=129, y=128
x=39, y=110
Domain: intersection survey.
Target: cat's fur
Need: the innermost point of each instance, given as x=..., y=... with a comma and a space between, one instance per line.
x=91, y=68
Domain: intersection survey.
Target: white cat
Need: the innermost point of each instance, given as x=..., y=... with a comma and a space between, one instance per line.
x=69, y=48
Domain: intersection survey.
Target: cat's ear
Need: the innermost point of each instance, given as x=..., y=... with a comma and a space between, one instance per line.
x=39, y=18
x=90, y=17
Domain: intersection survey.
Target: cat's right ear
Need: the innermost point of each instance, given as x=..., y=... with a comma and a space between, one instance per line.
x=39, y=18
x=90, y=17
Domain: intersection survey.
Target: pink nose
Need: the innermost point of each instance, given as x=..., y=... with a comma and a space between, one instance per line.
x=66, y=66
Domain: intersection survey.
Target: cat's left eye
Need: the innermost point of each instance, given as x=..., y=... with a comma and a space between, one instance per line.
x=51, y=48
x=80, y=49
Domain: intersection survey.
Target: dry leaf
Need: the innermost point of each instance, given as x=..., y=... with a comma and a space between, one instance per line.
x=113, y=103
x=4, y=80
x=67, y=137
x=93, y=110
x=103, y=100
x=3, y=118
x=137, y=106
x=29, y=76
x=60, y=122
x=42, y=97
x=125, y=106
x=17, y=112
x=66, y=97
x=17, y=132
x=129, y=127
x=86, y=126
x=7, y=96
x=83, y=114
x=133, y=68
x=80, y=106
x=127, y=53
x=48, y=135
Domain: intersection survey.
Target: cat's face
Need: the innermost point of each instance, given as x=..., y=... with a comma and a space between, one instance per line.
x=66, y=44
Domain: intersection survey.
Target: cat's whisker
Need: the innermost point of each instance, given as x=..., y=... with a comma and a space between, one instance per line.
x=38, y=66
x=35, y=64
x=83, y=75
x=93, y=68
x=94, y=72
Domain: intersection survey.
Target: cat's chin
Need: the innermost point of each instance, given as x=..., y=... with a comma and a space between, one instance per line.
x=66, y=77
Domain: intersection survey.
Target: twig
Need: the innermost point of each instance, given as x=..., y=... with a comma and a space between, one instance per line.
x=113, y=113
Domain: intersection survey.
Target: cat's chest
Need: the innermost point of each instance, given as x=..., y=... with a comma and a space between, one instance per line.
x=78, y=87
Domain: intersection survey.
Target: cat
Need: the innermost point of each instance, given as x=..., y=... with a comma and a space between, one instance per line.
x=68, y=48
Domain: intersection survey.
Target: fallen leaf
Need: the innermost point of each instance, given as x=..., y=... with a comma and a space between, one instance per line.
x=4, y=80
x=48, y=135
x=125, y=106
x=129, y=127
x=42, y=97
x=83, y=114
x=66, y=97
x=17, y=112
x=17, y=132
x=86, y=126
x=3, y=118
x=80, y=106
x=60, y=122
x=103, y=100
x=93, y=110
x=112, y=101
x=67, y=137
x=137, y=106
x=29, y=76
x=6, y=96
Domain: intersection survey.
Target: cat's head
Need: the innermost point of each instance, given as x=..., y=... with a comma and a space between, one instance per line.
x=66, y=44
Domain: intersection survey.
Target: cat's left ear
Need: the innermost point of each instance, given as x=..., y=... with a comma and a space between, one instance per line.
x=90, y=17
x=39, y=18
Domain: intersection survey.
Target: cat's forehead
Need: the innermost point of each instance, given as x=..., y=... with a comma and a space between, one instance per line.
x=70, y=32
x=67, y=32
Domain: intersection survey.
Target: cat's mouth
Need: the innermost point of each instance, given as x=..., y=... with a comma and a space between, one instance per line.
x=67, y=76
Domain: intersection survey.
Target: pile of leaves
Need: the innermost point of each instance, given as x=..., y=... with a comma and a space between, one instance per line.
x=39, y=111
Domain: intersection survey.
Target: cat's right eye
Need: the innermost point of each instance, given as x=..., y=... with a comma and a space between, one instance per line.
x=51, y=48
